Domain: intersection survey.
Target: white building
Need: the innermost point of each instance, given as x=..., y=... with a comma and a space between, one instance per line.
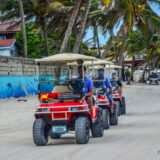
x=8, y=47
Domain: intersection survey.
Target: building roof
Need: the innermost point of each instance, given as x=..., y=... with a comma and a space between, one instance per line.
x=9, y=28
x=7, y=42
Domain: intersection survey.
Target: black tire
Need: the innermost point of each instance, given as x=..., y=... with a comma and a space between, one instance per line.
x=119, y=108
x=55, y=136
x=150, y=82
x=82, y=128
x=106, y=118
x=97, y=127
x=40, y=132
x=123, y=108
x=114, y=115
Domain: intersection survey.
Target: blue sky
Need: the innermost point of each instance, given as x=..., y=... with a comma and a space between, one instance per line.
x=103, y=39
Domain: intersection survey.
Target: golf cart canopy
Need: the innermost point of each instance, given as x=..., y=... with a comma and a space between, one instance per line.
x=98, y=62
x=112, y=66
x=65, y=58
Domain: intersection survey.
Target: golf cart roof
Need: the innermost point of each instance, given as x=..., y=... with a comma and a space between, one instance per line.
x=112, y=66
x=66, y=57
x=95, y=63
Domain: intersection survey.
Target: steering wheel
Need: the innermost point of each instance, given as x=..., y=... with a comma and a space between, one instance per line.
x=114, y=89
x=76, y=86
x=101, y=91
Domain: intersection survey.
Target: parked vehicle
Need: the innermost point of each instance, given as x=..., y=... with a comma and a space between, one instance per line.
x=154, y=78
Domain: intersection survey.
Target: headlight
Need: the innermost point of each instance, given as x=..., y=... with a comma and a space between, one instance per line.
x=43, y=110
x=74, y=109
x=100, y=102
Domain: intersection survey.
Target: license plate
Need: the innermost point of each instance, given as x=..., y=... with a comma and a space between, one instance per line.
x=59, y=129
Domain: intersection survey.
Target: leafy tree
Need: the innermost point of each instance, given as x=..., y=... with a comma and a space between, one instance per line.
x=34, y=43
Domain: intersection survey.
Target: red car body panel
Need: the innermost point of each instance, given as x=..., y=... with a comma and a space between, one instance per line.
x=65, y=110
x=103, y=101
x=117, y=96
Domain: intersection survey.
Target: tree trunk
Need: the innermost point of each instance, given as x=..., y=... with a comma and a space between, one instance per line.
x=98, y=45
x=121, y=56
x=109, y=46
x=45, y=34
x=133, y=66
x=157, y=62
x=23, y=27
x=70, y=26
x=96, y=39
x=144, y=72
x=82, y=27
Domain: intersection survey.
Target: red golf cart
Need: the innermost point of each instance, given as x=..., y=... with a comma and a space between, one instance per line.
x=62, y=108
x=109, y=108
x=119, y=98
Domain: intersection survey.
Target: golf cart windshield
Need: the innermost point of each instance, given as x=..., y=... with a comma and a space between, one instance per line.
x=154, y=75
x=67, y=86
x=114, y=83
x=62, y=80
x=99, y=86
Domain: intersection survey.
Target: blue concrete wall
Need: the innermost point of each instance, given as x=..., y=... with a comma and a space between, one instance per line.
x=18, y=86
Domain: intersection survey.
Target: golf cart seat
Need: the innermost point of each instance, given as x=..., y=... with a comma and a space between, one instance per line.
x=61, y=88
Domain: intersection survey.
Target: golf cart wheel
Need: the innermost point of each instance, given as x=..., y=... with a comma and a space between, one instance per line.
x=55, y=136
x=106, y=118
x=114, y=115
x=97, y=127
x=123, y=108
x=40, y=132
x=82, y=128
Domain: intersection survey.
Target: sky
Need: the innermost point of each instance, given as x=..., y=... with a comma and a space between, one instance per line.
x=104, y=38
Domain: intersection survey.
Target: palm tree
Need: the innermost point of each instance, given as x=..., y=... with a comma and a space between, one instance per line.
x=23, y=26
x=82, y=26
x=70, y=26
x=40, y=9
x=130, y=13
x=11, y=10
x=93, y=13
x=43, y=11
x=137, y=44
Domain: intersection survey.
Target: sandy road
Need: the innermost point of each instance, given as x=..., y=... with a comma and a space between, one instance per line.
x=137, y=137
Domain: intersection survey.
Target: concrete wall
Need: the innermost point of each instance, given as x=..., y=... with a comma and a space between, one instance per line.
x=19, y=77
x=17, y=66
x=18, y=86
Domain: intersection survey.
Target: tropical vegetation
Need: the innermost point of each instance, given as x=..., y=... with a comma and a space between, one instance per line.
x=57, y=26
